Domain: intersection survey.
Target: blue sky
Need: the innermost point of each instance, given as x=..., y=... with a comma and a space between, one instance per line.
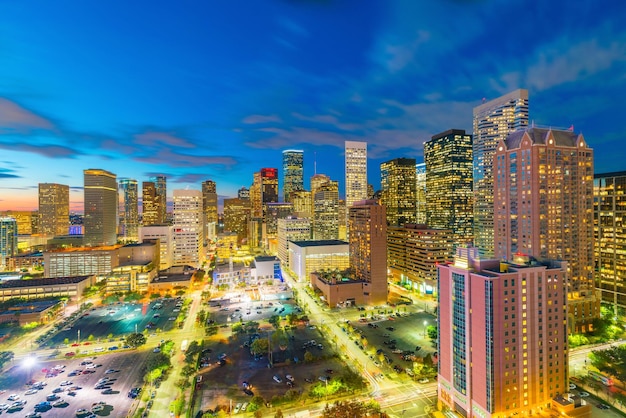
x=202, y=90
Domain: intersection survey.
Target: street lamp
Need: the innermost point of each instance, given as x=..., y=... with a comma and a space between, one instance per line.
x=425, y=324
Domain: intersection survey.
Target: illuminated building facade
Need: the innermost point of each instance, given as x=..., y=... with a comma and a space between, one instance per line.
x=610, y=237
x=264, y=190
x=54, y=209
x=544, y=208
x=448, y=158
x=129, y=209
x=237, y=213
x=165, y=235
x=8, y=240
x=27, y=221
x=356, y=171
x=326, y=211
x=209, y=207
x=306, y=257
x=302, y=203
x=293, y=173
x=81, y=261
x=502, y=335
x=188, y=228
x=413, y=252
x=492, y=122
x=420, y=193
x=367, y=229
x=100, y=200
x=291, y=229
x=398, y=182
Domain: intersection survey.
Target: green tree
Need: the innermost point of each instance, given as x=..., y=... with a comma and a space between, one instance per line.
x=182, y=383
x=5, y=357
x=431, y=330
x=187, y=370
x=132, y=297
x=353, y=409
x=274, y=320
x=136, y=339
x=201, y=316
x=259, y=346
x=91, y=338
x=66, y=341
x=157, y=361
x=278, y=414
x=177, y=406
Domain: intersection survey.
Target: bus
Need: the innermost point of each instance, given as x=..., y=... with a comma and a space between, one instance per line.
x=605, y=380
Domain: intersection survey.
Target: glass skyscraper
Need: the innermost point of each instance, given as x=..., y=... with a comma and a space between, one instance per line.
x=100, y=201
x=293, y=173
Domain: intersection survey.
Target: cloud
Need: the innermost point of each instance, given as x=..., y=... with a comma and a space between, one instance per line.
x=257, y=119
x=173, y=159
x=8, y=176
x=155, y=138
x=51, y=151
x=17, y=119
x=194, y=178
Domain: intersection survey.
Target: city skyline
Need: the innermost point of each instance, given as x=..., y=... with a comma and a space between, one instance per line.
x=205, y=92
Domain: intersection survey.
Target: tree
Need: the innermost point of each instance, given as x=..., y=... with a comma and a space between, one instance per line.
x=431, y=330
x=136, y=339
x=278, y=414
x=274, y=320
x=5, y=356
x=188, y=370
x=157, y=361
x=201, y=316
x=259, y=346
x=353, y=409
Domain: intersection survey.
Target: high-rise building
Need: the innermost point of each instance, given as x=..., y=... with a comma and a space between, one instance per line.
x=54, y=209
x=129, y=209
x=149, y=204
x=237, y=213
x=100, y=199
x=8, y=240
x=165, y=235
x=188, y=228
x=367, y=229
x=493, y=121
x=243, y=193
x=160, y=183
x=326, y=211
x=356, y=172
x=264, y=189
x=293, y=173
x=274, y=212
x=209, y=206
x=544, y=207
x=413, y=252
x=610, y=237
x=397, y=180
x=302, y=203
x=420, y=192
x=502, y=335
x=449, y=204
x=291, y=229
x=27, y=221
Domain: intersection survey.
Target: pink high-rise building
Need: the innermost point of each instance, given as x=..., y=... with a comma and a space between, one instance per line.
x=502, y=335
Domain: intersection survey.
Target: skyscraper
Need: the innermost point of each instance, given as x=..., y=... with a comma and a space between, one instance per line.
x=264, y=190
x=188, y=231
x=160, y=183
x=209, y=206
x=326, y=211
x=100, y=199
x=367, y=229
x=610, y=237
x=293, y=173
x=544, y=207
x=449, y=203
x=420, y=192
x=356, y=172
x=129, y=209
x=149, y=204
x=502, y=335
x=8, y=240
x=237, y=213
x=397, y=179
x=493, y=121
x=54, y=209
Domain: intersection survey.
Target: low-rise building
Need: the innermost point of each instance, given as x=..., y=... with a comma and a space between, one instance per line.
x=231, y=274
x=41, y=312
x=172, y=280
x=338, y=289
x=71, y=287
x=305, y=257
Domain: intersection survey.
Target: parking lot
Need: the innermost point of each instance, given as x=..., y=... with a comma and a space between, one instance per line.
x=115, y=320
x=70, y=386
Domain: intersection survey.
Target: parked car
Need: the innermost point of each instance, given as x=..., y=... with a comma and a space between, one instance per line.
x=277, y=379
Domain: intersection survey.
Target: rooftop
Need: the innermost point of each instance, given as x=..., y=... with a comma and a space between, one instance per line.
x=43, y=282
x=319, y=243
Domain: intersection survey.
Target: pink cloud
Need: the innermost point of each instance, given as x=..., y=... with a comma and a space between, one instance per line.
x=15, y=118
x=152, y=137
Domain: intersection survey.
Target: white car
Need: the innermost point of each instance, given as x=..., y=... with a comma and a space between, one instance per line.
x=31, y=392
x=583, y=394
x=14, y=397
x=244, y=406
x=91, y=366
x=4, y=406
x=572, y=386
x=65, y=383
x=289, y=377
x=97, y=408
x=424, y=380
x=277, y=379
x=237, y=408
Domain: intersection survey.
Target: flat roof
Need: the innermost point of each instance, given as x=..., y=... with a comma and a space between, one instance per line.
x=319, y=243
x=43, y=282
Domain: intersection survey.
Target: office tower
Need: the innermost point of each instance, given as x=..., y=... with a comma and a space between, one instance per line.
x=502, y=335
x=367, y=229
x=291, y=229
x=493, y=121
x=237, y=213
x=129, y=209
x=100, y=199
x=209, y=206
x=449, y=204
x=326, y=211
x=54, y=209
x=160, y=183
x=27, y=221
x=293, y=172
x=316, y=181
x=356, y=172
x=188, y=231
x=302, y=203
x=243, y=193
x=165, y=235
x=544, y=207
x=370, y=190
x=8, y=240
x=398, y=183
x=420, y=192
x=149, y=204
x=610, y=237
x=264, y=189
x=274, y=212
x=413, y=252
